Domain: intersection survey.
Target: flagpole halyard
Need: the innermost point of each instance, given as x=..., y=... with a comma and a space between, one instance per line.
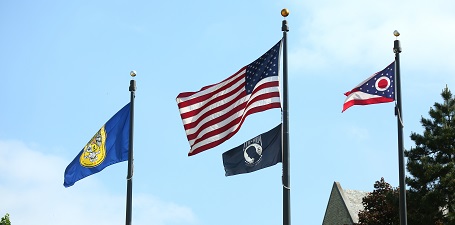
x=285, y=131
x=129, y=178
x=399, y=115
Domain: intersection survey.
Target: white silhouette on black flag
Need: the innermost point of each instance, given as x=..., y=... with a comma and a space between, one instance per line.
x=257, y=153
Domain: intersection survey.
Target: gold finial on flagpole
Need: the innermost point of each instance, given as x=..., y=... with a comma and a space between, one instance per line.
x=133, y=73
x=285, y=12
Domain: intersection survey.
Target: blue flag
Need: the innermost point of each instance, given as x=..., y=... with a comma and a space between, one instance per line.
x=108, y=146
x=257, y=153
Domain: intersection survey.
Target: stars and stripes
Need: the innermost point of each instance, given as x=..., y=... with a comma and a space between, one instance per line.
x=378, y=88
x=215, y=113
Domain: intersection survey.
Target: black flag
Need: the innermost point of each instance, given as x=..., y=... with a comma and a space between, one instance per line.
x=255, y=154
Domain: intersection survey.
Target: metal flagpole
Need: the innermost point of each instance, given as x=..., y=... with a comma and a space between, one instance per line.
x=399, y=115
x=285, y=132
x=129, y=178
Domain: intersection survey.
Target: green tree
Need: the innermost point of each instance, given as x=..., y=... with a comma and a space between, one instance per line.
x=380, y=206
x=5, y=220
x=432, y=165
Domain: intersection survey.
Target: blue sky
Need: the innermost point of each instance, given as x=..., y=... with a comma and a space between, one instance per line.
x=65, y=68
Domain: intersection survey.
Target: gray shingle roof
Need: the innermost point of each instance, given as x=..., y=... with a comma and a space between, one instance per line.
x=343, y=206
x=353, y=200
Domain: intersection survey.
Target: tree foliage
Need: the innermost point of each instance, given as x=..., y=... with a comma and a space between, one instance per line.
x=380, y=206
x=432, y=164
x=5, y=220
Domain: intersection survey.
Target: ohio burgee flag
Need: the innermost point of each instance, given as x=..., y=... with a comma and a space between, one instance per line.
x=378, y=88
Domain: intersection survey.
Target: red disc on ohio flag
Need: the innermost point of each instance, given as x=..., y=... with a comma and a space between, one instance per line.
x=382, y=83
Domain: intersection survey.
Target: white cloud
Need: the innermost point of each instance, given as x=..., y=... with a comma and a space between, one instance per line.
x=357, y=133
x=32, y=192
x=156, y=212
x=361, y=32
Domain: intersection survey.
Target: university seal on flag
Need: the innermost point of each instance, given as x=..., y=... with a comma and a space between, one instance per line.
x=94, y=152
x=252, y=151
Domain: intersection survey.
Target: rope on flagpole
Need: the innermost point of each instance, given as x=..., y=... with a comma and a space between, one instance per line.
x=398, y=113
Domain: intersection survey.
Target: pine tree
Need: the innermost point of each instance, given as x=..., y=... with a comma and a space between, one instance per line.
x=432, y=165
x=5, y=220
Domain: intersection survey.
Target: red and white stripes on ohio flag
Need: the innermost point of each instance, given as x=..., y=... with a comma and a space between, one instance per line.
x=215, y=113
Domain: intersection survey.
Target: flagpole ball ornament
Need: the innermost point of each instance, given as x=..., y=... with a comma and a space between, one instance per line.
x=133, y=73
x=396, y=43
x=285, y=12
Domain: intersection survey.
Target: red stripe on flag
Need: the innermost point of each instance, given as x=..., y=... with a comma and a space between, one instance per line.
x=207, y=96
x=223, y=117
x=369, y=101
x=223, y=139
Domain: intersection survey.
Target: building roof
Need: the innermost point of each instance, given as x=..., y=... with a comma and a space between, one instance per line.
x=343, y=206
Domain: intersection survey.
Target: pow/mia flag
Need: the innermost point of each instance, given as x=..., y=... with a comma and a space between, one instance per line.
x=257, y=153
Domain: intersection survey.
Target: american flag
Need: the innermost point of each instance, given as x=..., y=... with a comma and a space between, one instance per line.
x=216, y=112
x=378, y=88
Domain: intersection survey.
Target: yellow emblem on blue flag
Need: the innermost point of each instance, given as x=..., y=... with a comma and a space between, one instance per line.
x=108, y=146
x=94, y=152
